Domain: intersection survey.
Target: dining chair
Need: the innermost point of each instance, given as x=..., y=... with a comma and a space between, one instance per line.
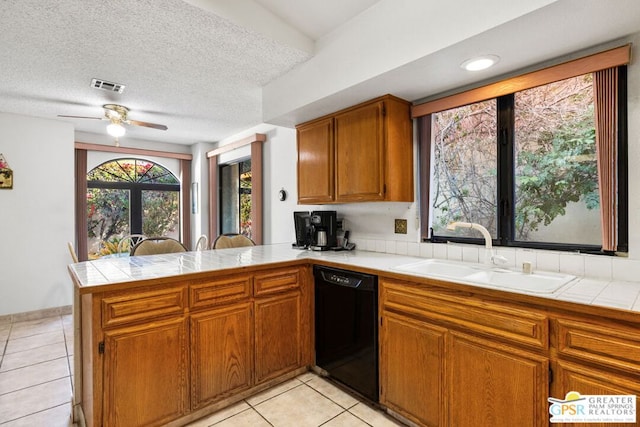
x=232, y=240
x=72, y=251
x=129, y=241
x=202, y=243
x=157, y=245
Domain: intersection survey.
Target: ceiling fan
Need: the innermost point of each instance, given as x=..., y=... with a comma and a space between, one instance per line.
x=117, y=115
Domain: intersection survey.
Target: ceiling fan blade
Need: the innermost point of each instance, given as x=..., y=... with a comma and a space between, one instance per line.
x=146, y=124
x=81, y=117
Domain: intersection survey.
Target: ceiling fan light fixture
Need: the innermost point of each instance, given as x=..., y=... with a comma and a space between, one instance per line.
x=113, y=115
x=116, y=130
x=480, y=62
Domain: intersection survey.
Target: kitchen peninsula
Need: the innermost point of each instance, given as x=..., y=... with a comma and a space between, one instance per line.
x=167, y=339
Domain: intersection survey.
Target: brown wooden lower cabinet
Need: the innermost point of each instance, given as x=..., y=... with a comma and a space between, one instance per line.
x=589, y=381
x=448, y=360
x=146, y=374
x=278, y=335
x=438, y=377
x=221, y=362
x=597, y=357
x=412, y=369
x=491, y=384
x=166, y=352
x=455, y=359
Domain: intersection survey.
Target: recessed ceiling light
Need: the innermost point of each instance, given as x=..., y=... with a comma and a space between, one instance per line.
x=480, y=62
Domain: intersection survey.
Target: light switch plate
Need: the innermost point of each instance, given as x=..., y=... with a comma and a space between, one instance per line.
x=401, y=226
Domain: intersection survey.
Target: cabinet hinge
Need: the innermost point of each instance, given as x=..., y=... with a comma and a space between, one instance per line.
x=550, y=376
x=101, y=347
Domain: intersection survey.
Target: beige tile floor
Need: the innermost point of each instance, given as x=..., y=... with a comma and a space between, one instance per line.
x=35, y=380
x=36, y=359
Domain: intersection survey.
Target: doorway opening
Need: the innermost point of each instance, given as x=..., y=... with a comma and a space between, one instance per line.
x=235, y=198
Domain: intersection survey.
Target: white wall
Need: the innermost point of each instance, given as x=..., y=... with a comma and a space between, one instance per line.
x=365, y=220
x=37, y=215
x=387, y=35
x=279, y=173
x=200, y=176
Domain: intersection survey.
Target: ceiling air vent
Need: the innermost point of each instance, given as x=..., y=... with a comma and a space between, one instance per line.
x=108, y=86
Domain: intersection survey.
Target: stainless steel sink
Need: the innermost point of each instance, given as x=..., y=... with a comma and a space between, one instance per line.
x=488, y=276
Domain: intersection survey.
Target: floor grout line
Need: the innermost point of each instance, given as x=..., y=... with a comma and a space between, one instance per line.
x=271, y=397
x=35, y=385
x=34, y=364
x=263, y=417
x=6, y=343
x=34, y=413
x=333, y=418
x=56, y=323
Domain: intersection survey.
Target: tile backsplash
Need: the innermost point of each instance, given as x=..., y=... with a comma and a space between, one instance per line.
x=583, y=265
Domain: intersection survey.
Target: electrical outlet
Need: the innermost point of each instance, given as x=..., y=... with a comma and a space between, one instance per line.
x=401, y=226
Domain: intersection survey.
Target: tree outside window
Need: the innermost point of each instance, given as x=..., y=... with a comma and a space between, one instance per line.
x=130, y=196
x=550, y=132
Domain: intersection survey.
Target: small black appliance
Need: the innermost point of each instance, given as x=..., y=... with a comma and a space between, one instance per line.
x=316, y=230
x=324, y=224
x=302, y=225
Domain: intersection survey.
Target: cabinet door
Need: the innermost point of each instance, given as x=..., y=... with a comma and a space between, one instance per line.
x=495, y=385
x=575, y=377
x=412, y=369
x=278, y=339
x=220, y=353
x=145, y=374
x=359, y=141
x=316, y=162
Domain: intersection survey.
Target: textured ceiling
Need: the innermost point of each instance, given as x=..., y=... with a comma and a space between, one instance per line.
x=197, y=73
x=209, y=69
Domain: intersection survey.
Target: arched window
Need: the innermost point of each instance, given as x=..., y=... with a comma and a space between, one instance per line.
x=130, y=196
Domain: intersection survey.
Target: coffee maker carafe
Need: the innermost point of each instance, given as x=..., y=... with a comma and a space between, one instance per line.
x=324, y=230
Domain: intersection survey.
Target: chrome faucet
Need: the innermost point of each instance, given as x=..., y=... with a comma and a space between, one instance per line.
x=490, y=256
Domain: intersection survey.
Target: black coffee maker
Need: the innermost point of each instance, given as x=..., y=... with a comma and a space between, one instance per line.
x=316, y=230
x=324, y=232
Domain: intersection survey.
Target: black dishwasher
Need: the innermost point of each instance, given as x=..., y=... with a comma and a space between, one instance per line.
x=346, y=326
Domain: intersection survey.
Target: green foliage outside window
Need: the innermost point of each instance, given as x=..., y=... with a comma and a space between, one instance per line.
x=109, y=209
x=555, y=158
x=558, y=172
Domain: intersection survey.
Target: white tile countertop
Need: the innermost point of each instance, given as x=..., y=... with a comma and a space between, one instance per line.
x=583, y=290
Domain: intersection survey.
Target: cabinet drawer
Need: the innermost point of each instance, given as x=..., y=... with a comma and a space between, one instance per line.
x=278, y=281
x=214, y=292
x=126, y=308
x=489, y=318
x=613, y=346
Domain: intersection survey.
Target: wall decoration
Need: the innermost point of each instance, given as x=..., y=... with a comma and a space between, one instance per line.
x=6, y=174
x=194, y=197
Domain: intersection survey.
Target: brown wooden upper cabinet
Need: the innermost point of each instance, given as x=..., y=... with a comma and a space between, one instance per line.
x=359, y=154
